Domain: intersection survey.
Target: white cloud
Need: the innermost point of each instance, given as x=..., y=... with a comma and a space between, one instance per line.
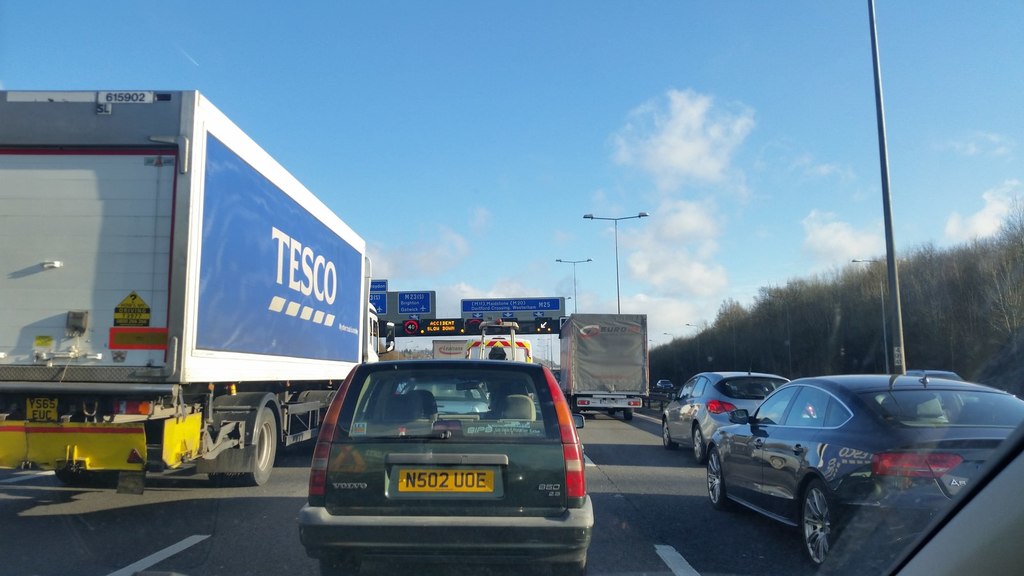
x=685, y=221
x=982, y=144
x=811, y=168
x=830, y=241
x=679, y=273
x=480, y=220
x=682, y=138
x=673, y=252
x=669, y=315
x=988, y=220
x=446, y=251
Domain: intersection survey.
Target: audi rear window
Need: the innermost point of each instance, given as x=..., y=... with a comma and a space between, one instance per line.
x=446, y=402
x=940, y=408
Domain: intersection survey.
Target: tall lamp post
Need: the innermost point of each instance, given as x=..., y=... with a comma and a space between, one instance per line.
x=618, y=298
x=896, y=309
x=699, y=363
x=575, y=300
x=881, y=296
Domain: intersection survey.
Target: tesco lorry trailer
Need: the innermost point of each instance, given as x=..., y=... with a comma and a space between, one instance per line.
x=604, y=362
x=171, y=294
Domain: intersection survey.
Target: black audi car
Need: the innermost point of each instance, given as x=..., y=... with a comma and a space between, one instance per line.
x=820, y=453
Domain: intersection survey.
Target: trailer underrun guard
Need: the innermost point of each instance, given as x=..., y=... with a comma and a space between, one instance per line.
x=82, y=446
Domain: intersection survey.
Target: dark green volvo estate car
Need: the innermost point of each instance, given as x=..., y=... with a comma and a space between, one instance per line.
x=444, y=460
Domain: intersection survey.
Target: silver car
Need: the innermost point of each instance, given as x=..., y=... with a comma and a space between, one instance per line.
x=703, y=404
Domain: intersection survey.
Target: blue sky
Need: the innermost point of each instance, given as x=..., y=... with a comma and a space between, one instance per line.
x=465, y=140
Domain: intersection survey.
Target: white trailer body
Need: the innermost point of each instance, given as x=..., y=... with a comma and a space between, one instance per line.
x=604, y=362
x=168, y=284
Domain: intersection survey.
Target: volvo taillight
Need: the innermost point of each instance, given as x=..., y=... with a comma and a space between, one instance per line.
x=575, y=474
x=322, y=451
x=572, y=451
x=318, y=472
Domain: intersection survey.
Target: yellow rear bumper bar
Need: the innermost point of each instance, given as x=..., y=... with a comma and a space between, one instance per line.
x=82, y=445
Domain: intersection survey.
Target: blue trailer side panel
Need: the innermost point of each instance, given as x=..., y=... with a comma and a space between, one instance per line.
x=273, y=278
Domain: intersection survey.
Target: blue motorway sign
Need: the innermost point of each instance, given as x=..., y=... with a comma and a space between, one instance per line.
x=378, y=285
x=413, y=302
x=380, y=302
x=499, y=305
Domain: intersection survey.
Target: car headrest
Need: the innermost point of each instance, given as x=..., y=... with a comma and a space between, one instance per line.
x=413, y=405
x=519, y=407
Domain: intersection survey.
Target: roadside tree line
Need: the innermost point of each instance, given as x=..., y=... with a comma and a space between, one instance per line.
x=963, y=309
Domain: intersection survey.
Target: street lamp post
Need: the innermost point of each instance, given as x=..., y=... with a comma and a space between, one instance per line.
x=618, y=299
x=676, y=372
x=895, y=307
x=575, y=300
x=885, y=330
x=699, y=363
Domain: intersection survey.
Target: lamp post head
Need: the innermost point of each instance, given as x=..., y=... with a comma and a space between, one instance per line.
x=616, y=220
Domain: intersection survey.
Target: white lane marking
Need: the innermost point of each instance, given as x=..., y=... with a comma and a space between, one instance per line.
x=588, y=461
x=160, y=556
x=646, y=417
x=675, y=561
x=26, y=477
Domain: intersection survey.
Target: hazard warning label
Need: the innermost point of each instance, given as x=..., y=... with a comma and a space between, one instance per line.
x=132, y=311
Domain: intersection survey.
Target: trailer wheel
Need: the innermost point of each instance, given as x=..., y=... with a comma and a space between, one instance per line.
x=264, y=440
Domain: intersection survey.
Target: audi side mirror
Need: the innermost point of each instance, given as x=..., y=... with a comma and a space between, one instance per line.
x=739, y=416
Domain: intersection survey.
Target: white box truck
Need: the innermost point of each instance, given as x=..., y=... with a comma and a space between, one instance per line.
x=604, y=362
x=172, y=295
x=449, y=349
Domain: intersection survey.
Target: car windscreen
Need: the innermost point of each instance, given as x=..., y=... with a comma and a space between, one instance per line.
x=448, y=401
x=749, y=388
x=935, y=407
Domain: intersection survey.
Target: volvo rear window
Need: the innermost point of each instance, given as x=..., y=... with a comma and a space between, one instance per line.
x=947, y=407
x=467, y=402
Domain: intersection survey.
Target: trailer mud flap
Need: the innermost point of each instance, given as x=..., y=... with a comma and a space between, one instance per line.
x=181, y=440
x=79, y=445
